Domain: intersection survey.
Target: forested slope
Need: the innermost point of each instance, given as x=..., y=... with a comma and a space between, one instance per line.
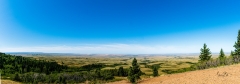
x=29, y=70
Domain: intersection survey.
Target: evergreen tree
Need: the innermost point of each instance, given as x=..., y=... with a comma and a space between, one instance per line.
x=155, y=71
x=134, y=71
x=131, y=75
x=236, y=54
x=222, y=55
x=121, y=71
x=205, y=53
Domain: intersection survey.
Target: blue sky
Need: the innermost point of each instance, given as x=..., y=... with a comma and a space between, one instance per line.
x=118, y=26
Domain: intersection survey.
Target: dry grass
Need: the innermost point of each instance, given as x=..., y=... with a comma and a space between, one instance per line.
x=80, y=61
x=220, y=75
x=9, y=82
x=167, y=62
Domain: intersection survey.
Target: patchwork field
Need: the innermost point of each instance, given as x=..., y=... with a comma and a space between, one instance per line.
x=114, y=62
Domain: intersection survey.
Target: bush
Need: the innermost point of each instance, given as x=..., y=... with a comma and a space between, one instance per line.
x=155, y=71
x=17, y=78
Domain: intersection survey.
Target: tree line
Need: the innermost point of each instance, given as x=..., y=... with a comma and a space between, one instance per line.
x=206, y=60
x=29, y=70
x=10, y=64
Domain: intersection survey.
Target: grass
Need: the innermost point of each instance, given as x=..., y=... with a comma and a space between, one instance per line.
x=112, y=62
x=118, y=79
x=167, y=63
x=4, y=81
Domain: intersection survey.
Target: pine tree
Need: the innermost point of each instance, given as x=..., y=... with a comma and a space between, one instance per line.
x=134, y=72
x=155, y=71
x=121, y=71
x=205, y=53
x=222, y=55
x=236, y=55
x=131, y=75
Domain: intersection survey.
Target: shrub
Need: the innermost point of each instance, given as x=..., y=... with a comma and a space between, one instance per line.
x=155, y=71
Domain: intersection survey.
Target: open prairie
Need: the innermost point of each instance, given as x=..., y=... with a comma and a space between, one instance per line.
x=114, y=62
x=167, y=64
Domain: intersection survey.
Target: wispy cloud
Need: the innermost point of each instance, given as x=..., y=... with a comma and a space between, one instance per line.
x=107, y=49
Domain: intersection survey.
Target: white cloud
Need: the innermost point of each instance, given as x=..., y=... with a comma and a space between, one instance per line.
x=107, y=49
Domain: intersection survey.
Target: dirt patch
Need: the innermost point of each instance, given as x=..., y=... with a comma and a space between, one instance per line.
x=9, y=82
x=219, y=75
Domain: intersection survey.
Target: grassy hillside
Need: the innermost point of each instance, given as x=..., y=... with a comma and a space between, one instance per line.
x=57, y=69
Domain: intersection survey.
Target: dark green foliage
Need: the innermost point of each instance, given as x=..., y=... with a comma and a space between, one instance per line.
x=29, y=70
x=155, y=71
x=91, y=67
x=113, y=71
x=54, y=78
x=152, y=66
x=114, y=65
x=131, y=77
x=121, y=71
x=117, y=72
x=134, y=72
x=190, y=62
x=107, y=76
x=236, y=54
x=10, y=64
x=221, y=55
x=98, y=73
x=237, y=44
x=17, y=78
x=102, y=75
x=231, y=54
x=205, y=54
x=169, y=71
x=77, y=77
